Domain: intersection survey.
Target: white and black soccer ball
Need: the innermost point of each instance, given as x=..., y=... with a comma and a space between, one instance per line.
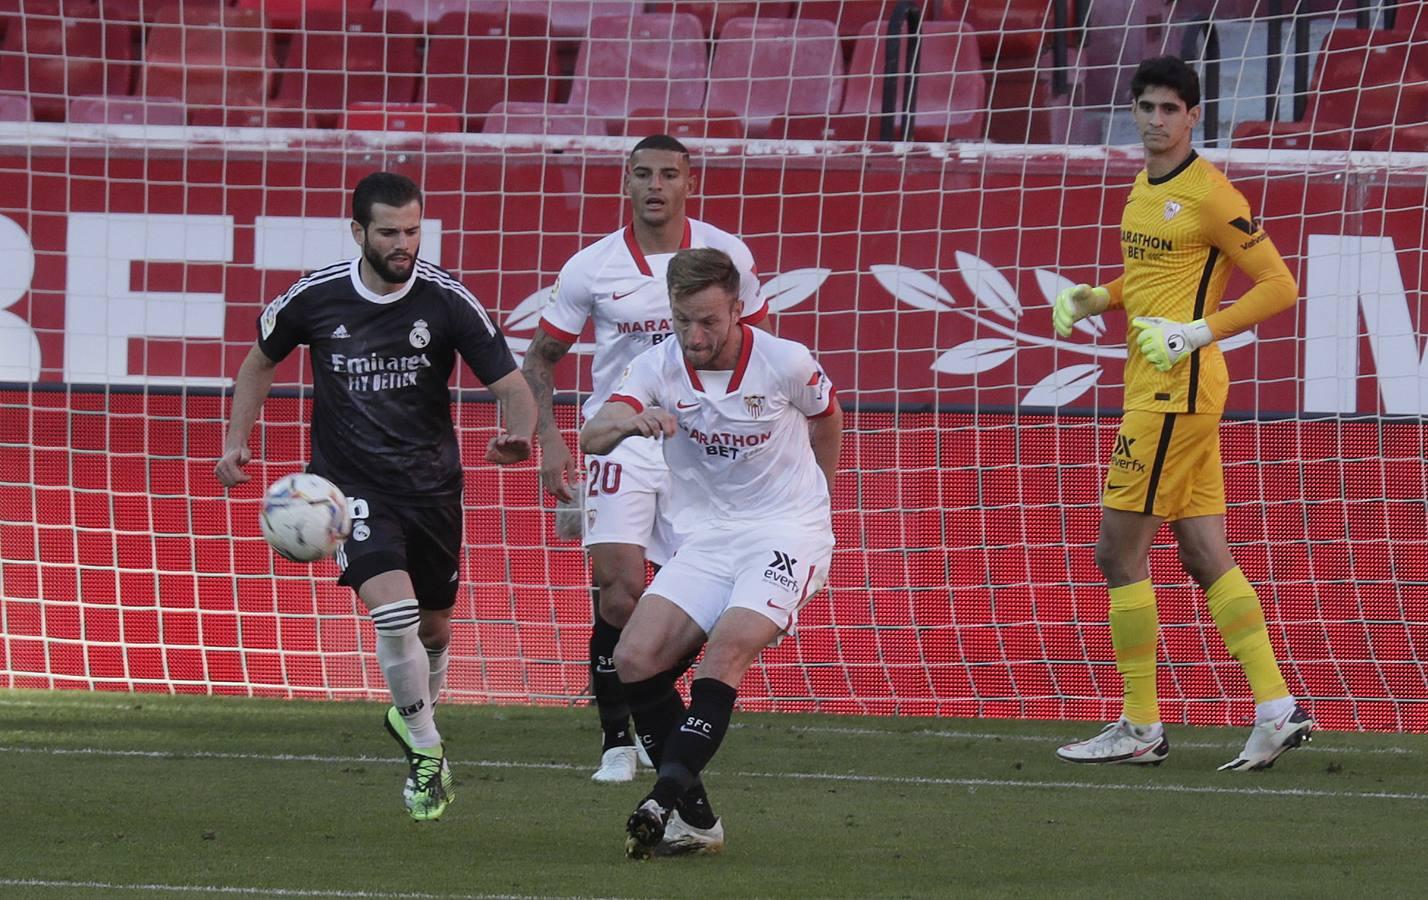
x=305, y=517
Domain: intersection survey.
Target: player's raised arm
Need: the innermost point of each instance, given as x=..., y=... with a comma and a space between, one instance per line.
x=250, y=389
x=558, y=470
x=518, y=412
x=617, y=420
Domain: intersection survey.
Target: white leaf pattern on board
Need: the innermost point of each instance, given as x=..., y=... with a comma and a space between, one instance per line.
x=971, y=357
x=788, y=289
x=913, y=287
x=989, y=286
x=1063, y=386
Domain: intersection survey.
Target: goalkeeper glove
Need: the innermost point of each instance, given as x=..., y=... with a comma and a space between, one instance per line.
x=1164, y=342
x=1076, y=303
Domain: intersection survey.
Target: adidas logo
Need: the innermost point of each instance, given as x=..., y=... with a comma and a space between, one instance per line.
x=340, y=332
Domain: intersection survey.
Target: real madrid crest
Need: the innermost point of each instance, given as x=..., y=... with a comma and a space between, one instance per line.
x=754, y=403
x=419, y=337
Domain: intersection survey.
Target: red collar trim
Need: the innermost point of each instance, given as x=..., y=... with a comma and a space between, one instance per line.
x=635, y=252
x=737, y=378
x=638, y=255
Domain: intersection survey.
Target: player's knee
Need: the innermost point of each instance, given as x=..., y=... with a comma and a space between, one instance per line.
x=1111, y=560
x=633, y=660
x=434, y=631
x=1202, y=565
x=616, y=597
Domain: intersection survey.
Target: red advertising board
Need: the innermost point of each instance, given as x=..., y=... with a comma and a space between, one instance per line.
x=964, y=582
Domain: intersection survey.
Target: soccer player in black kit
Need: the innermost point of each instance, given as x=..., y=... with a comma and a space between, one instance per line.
x=383, y=332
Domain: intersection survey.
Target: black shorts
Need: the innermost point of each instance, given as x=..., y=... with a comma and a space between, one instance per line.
x=423, y=541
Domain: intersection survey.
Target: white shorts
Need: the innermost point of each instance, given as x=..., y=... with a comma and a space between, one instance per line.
x=628, y=501
x=772, y=569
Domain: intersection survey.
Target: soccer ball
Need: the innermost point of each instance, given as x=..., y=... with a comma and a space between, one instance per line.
x=305, y=517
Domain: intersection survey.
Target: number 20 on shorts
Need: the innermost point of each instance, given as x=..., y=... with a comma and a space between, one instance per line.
x=604, y=478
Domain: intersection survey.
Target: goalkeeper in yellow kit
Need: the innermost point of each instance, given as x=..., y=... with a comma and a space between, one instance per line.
x=1183, y=228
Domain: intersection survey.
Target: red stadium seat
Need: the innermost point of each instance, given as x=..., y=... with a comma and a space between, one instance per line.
x=297, y=13
x=1010, y=32
x=1413, y=139
x=150, y=11
x=207, y=60
x=428, y=118
x=572, y=18
x=15, y=108
x=50, y=54
x=1364, y=83
x=715, y=15
x=433, y=10
x=344, y=58
x=655, y=60
x=767, y=68
x=127, y=111
x=951, y=91
x=541, y=118
x=476, y=60
x=680, y=123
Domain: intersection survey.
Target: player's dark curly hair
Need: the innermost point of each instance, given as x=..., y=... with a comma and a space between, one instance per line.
x=691, y=271
x=1167, y=71
x=387, y=188
x=660, y=142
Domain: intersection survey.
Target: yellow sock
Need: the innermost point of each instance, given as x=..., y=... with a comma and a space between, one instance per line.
x=1237, y=613
x=1135, y=630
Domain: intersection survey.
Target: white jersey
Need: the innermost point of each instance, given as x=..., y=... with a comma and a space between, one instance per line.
x=742, y=445
x=624, y=291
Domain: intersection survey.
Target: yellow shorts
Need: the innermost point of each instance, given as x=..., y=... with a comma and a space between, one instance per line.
x=1167, y=465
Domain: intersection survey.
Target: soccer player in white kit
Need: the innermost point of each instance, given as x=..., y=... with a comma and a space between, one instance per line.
x=750, y=425
x=619, y=282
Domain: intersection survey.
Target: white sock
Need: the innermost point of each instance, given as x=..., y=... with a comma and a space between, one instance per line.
x=436, y=662
x=1270, y=710
x=403, y=661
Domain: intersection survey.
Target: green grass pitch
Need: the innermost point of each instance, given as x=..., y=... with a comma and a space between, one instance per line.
x=152, y=796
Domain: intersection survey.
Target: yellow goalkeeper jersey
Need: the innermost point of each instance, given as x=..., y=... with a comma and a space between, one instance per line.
x=1180, y=234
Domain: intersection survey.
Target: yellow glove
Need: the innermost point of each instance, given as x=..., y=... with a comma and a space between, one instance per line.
x=1076, y=303
x=1164, y=342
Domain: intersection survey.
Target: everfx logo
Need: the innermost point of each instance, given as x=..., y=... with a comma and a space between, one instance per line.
x=782, y=561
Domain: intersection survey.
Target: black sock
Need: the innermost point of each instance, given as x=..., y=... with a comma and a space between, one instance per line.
x=694, y=743
x=694, y=807
x=609, y=693
x=657, y=710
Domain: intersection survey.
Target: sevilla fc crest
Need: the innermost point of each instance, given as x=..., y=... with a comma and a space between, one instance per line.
x=754, y=403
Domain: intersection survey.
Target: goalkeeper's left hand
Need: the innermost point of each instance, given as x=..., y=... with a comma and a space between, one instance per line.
x=1164, y=342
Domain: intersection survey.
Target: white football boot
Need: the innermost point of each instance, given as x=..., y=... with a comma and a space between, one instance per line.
x=1121, y=742
x=616, y=765
x=683, y=839
x=1268, y=741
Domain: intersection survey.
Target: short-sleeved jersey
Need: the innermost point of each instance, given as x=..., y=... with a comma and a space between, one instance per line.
x=381, y=416
x=1180, y=235
x=742, y=446
x=613, y=282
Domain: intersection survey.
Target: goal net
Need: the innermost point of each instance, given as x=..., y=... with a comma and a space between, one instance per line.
x=915, y=182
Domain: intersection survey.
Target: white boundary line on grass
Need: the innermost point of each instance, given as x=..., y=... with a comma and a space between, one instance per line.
x=969, y=783
x=1044, y=739
x=256, y=891
x=886, y=732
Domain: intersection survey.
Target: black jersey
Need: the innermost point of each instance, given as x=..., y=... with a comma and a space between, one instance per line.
x=381, y=417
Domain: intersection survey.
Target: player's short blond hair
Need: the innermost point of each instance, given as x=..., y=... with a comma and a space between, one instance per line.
x=691, y=271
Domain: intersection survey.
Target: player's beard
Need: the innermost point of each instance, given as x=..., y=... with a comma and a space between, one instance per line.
x=382, y=269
